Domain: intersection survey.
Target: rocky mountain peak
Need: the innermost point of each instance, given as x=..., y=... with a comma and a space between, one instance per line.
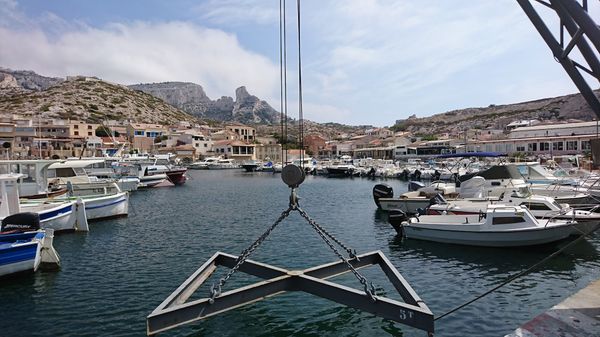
x=191, y=98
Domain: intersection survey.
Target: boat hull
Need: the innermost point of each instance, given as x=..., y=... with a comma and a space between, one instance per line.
x=177, y=177
x=19, y=258
x=103, y=207
x=60, y=218
x=518, y=238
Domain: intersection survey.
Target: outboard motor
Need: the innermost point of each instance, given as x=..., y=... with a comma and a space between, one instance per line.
x=396, y=217
x=21, y=222
x=416, y=175
x=436, y=175
x=438, y=199
x=415, y=186
x=382, y=191
x=404, y=175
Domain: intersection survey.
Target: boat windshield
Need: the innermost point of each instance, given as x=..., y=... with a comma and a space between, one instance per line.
x=556, y=204
x=522, y=192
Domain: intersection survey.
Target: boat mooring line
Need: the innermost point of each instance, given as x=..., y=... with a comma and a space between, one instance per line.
x=526, y=271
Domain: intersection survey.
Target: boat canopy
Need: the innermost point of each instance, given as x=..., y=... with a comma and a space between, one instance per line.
x=496, y=172
x=75, y=164
x=472, y=154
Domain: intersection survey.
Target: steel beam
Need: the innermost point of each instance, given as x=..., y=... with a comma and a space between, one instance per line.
x=176, y=311
x=578, y=16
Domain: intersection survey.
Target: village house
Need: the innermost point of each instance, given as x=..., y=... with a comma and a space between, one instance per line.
x=246, y=133
x=234, y=149
x=142, y=136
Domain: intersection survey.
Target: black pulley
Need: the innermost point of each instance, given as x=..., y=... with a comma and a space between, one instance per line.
x=382, y=191
x=292, y=175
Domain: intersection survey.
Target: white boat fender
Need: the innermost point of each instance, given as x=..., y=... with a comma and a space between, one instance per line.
x=48, y=255
x=382, y=191
x=82, y=223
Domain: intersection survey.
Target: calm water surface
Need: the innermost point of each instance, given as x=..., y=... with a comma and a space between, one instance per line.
x=115, y=275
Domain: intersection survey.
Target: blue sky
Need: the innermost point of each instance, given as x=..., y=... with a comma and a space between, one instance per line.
x=364, y=61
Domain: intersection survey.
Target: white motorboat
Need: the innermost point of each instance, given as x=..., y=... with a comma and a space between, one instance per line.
x=61, y=215
x=203, y=164
x=499, y=226
x=418, y=198
x=223, y=164
x=499, y=179
x=541, y=207
x=72, y=174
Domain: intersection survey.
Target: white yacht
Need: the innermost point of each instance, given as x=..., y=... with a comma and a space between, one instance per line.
x=203, y=164
x=223, y=164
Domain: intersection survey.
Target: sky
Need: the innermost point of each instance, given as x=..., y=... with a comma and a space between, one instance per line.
x=363, y=61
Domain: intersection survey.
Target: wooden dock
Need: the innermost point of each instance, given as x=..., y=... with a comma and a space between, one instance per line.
x=577, y=316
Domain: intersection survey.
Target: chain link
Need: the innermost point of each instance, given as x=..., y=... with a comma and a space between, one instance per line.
x=368, y=286
x=351, y=252
x=215, y=289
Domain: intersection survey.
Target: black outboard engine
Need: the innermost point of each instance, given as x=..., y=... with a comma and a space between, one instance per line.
x=436, y=175
x=382, y=191
x=21, y=222
x=395, y=218
x=404, y=175
x=438, y=199
x=416, y=175
x=415, y=186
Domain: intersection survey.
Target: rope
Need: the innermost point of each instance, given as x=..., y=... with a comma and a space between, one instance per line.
x=285, y=100
x=300, y=111
x=281, y=14
x=514, y=277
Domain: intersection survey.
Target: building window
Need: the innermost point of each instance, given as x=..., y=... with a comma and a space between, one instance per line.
x=532, y=147
x=585, y=145
x=76, y=133
x=205, y=145
x=76, y=126
x=138, y=133
x=544, y=146
x=557, y=146
x=89, y=127
x=521, y=148
x=89, y=133
x=509, y=147
x=572, y=145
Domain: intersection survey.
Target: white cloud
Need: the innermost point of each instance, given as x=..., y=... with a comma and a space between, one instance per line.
x=239, y=12
x=141, y=52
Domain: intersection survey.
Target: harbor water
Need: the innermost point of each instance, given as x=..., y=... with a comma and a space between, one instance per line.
x=115, y=275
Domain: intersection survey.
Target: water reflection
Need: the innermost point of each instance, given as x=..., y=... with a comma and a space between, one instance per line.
x=493, y=260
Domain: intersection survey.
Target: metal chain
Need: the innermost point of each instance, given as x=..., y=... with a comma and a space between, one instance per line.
x=351, y=252
x=215, y=290
x=368, y=286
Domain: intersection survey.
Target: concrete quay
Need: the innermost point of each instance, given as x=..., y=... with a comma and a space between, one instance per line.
x=577, y=316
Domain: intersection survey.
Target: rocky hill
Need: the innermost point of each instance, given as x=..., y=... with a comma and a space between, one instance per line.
x=554, y=109
x=82, y=98
x=191, y=98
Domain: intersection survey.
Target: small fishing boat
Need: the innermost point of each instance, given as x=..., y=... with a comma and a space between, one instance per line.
x=60, y=215
x=499, y=226
x=251, y=166
x=223, y=164
x=23, y=246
